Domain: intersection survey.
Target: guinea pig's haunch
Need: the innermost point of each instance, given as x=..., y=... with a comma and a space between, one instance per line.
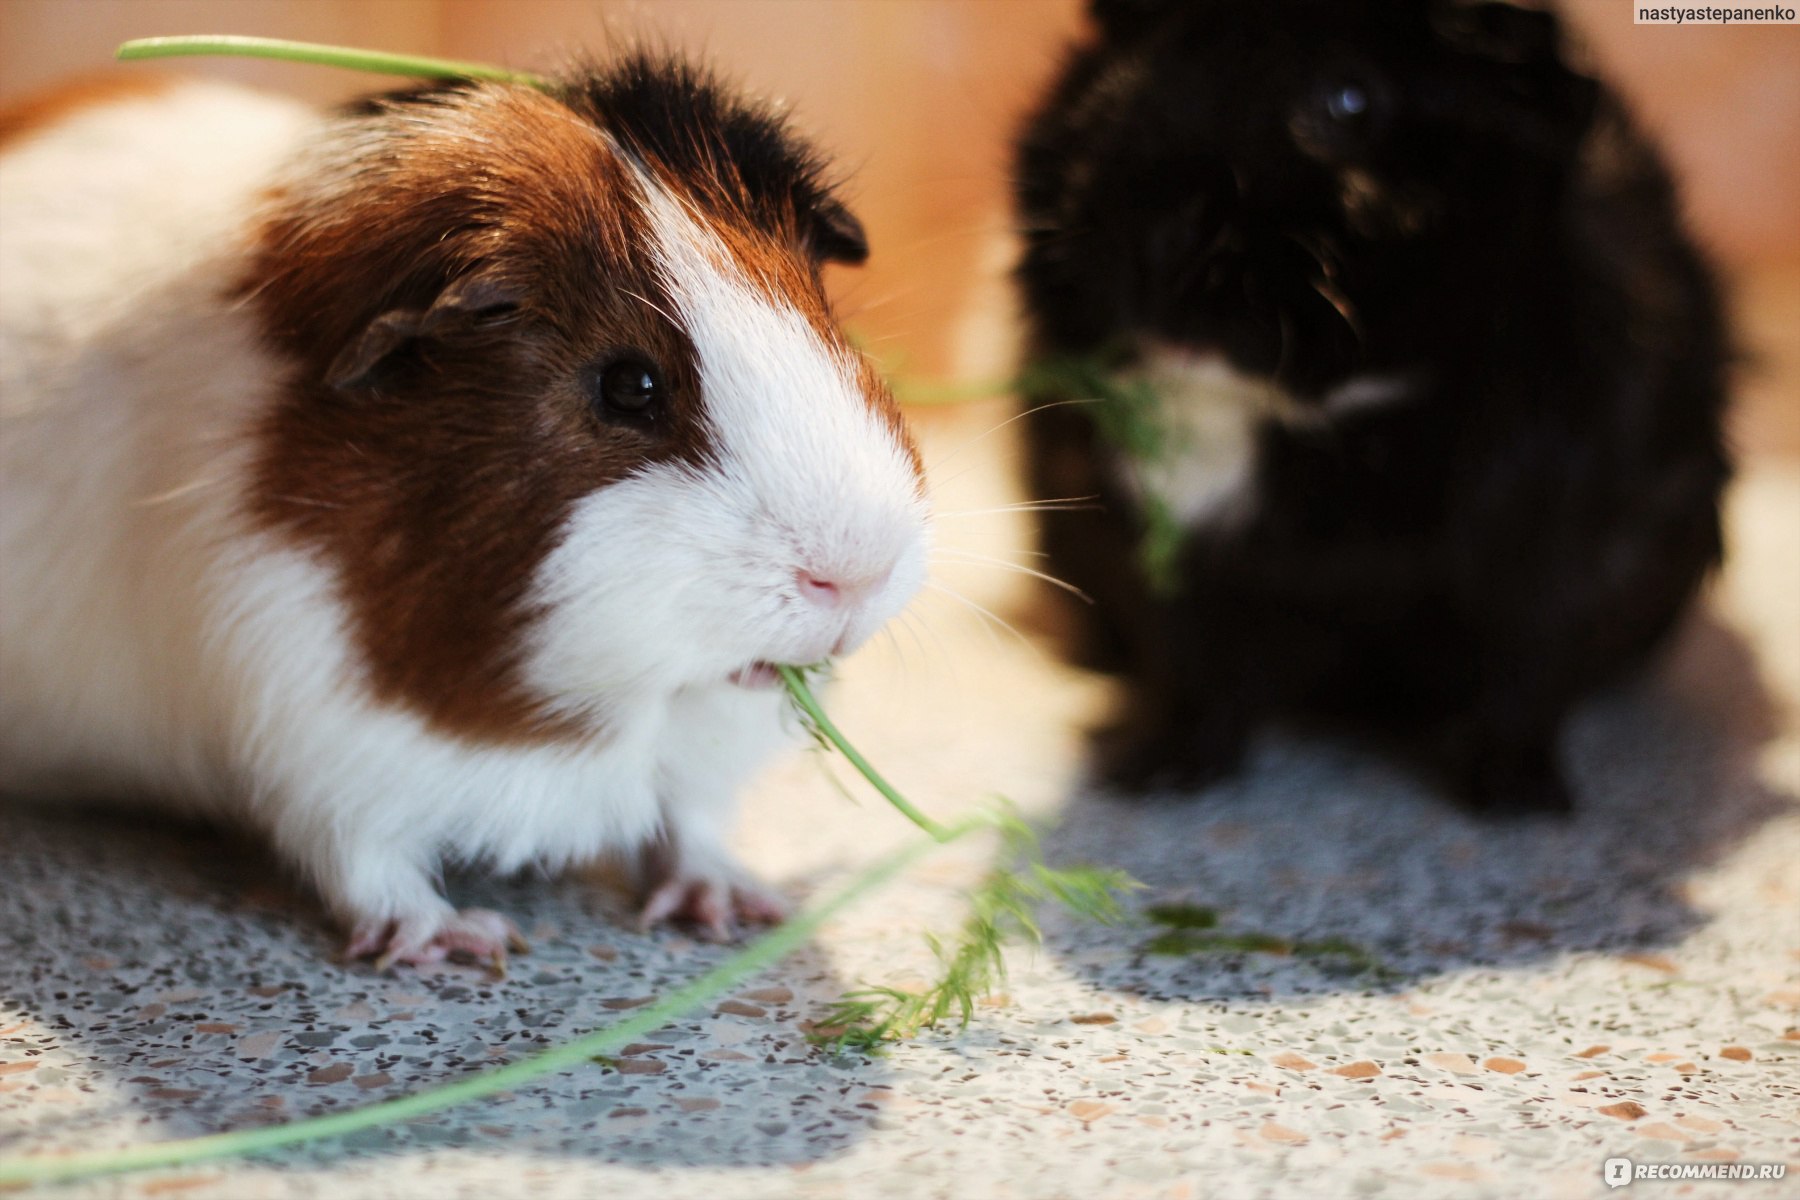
x=433, y=481
x=1441, y=379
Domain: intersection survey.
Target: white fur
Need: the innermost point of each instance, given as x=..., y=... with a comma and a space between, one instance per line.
x=124, y=384
x=151, y=642
x=1363, y=392
x=690, y=574
x=1210, y=412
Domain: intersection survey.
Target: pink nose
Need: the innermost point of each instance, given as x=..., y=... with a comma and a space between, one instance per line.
x=835, y=592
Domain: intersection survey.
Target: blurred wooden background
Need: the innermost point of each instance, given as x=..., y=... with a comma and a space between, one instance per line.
x=916, y=100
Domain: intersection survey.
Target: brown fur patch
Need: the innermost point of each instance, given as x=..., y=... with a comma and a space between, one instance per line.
x=434, y=484
x=436, y=489
x=45, y=109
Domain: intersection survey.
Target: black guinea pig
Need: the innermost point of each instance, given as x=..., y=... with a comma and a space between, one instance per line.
x=1428, y=381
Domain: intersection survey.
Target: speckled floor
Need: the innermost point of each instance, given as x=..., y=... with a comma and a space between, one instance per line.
x=1466, y=1009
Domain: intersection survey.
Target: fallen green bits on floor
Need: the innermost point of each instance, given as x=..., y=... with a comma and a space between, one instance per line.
x=1183, y=916
x=1193, y=930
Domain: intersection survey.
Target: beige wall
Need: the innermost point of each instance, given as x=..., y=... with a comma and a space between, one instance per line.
x=916, y=100
x=913, y=98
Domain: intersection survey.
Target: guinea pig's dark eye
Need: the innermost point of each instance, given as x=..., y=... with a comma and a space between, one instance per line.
x=628, y=389
x=1341, y=115
x=1347, y=102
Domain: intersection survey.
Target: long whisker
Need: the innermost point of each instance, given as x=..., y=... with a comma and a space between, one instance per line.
x=1018, y=416
x=1060, y=504
x=992, y=617
x=978, y=610
x=1000, y=564
x=1006, y=463
x=892, y=630
x=916, y=625
x=899, y=678
x=1028, y=553
x=940, y=483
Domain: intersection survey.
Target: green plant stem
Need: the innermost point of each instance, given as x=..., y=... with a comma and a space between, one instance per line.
x=756, y=957
x=795, y=679
x=319, y=54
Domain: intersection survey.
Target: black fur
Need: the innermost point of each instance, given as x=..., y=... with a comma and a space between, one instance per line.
x=1459, y=570
x=668, y=111
x=732, y=151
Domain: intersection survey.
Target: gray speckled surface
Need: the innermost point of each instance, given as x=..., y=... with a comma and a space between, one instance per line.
x=1546, y=995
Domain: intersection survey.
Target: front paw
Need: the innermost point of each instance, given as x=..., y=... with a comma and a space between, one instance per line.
x=1517, y=787
x=716, y=898
x=426, y=939
x=1511, y=780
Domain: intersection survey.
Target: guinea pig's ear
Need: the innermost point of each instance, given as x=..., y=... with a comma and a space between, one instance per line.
x=1500, y=31
x=1529, y=42
x=835, y=233
x=1125, y=18
x=466, y=303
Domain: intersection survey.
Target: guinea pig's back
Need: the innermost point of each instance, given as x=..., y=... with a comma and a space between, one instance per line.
x=128, y=370
x=107, y=194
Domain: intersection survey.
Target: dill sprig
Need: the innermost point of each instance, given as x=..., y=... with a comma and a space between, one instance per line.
x=1002, y=910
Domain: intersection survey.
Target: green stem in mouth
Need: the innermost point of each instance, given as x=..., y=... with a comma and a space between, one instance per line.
x=795, y=679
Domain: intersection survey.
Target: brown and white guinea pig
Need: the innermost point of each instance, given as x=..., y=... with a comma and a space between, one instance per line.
x=1441, y=379
x=435, y=480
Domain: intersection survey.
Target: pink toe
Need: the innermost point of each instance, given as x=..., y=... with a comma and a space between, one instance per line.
x=477, y=933
x=367, y=938
x=759, y=909
x=711, y=912
x=662, y=904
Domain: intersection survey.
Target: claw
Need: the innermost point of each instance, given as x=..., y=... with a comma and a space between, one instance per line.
x=715, y=905
x=474, y=933
x=661, y=904
x=365, y=940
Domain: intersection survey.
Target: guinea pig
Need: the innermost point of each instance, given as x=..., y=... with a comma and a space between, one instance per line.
x=1403, y=382
x=436, y=480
